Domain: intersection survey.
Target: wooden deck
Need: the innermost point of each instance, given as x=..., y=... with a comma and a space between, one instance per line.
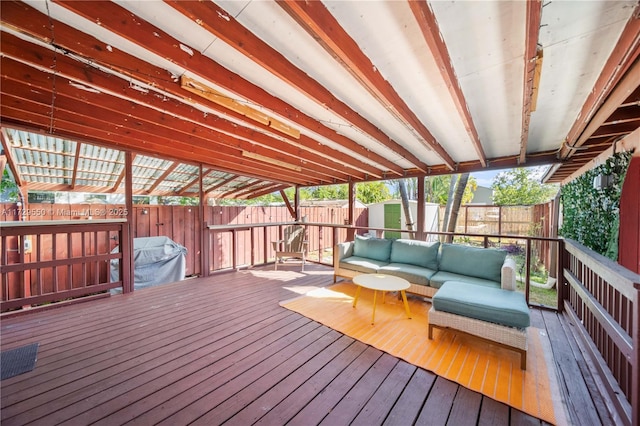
x=221, y=350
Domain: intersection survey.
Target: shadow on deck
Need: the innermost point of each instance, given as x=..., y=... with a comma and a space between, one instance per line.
x=221, y=350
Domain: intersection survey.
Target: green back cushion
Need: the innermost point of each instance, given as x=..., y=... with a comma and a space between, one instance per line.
x=472, y=261
x=372, y=248
x=419, y=253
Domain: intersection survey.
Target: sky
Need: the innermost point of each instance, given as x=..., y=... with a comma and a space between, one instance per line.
x=485, y=178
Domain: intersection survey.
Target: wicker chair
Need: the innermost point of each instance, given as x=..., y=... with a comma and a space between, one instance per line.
x=293, y=245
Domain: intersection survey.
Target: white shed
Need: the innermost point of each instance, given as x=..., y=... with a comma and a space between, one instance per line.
x=390, y=214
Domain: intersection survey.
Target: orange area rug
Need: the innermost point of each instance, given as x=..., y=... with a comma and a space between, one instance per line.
x=472, y=363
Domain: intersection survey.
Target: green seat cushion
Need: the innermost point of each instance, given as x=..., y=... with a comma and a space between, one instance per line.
x=361, y=264
x=441, y=277
x=413, y=274
x=494, y=305
x=413, y=252
x=372, y=248
x=472, y=261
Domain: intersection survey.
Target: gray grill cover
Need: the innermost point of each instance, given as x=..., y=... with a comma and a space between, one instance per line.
x=157, y=260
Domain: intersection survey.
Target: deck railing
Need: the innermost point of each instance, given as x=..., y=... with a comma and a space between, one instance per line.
x=50, y=261
x=603, y=299
x=237, y=246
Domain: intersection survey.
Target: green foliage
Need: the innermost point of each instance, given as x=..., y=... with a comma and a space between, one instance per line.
x=372, y=192
x=8, y=187
x=591, y=216
x=366, y=192
x=437, y=189
x=518, y=187
x=327, y=192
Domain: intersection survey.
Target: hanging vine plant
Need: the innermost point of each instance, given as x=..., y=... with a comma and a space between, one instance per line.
x=591, y=214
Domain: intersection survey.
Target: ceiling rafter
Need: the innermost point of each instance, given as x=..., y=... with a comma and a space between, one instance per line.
x=625, y=53
x=233, y=192
x=75, y=127
x=274, y=187
x=247, y=190
x=65, y=67
x=75, y=166
x=4, y=138
x=122, y=22
x=123, y=173
x=30, y=121
x=162, y=177
x=595, y=131
x=431, y=33
x=193, y=182
x=531, y=58
x=307, y=148
x=179, y=135
x=242, y=39
x=221, y=184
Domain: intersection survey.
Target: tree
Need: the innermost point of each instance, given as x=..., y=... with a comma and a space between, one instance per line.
x=8, y=187
x=461, y=186
x=519, y=187
x=447, y=211
x=328, y=192
x=437, y=189
x=372, y=192
x=405, y=204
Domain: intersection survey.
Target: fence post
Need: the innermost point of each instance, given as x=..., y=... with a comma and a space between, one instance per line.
x=126, y=263
x=560, y=266
x=527, y=266
x=206, y=250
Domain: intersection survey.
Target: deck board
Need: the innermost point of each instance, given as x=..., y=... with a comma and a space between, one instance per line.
x=222, y=350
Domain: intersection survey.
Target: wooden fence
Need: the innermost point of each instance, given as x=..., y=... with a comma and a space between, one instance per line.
x=533, y=221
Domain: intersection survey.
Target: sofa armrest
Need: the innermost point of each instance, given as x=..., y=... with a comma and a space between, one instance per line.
x=508, y=274
x=342, y=250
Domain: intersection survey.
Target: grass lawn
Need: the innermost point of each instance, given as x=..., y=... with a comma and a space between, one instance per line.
x=541, y=296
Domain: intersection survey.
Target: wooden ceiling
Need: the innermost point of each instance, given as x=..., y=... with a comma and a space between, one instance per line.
x=309, y=93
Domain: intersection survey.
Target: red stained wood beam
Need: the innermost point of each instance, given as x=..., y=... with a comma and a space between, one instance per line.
x=4, y=138
x=268, y=190
x=25, y=113
x=186, y=187
x=431, y=33
x=162, y=177
x=161, y=128
x=247, y=138
x=138, y=31
x=532, y=32
x=221, y=184
x=208, y=14
x=75, y=165
x=625, y=53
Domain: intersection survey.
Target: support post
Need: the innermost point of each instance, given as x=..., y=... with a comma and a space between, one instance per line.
x=420, y=219
x=205, y=235
x=128, y=276
x=351, y=233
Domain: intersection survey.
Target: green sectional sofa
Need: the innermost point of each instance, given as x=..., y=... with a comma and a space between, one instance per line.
x=427, y=266
x=472, y=289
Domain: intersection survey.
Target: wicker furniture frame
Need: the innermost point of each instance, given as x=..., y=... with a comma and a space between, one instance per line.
x=508, y=337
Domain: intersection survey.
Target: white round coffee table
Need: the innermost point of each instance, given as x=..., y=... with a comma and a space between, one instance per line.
x=381, y=282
